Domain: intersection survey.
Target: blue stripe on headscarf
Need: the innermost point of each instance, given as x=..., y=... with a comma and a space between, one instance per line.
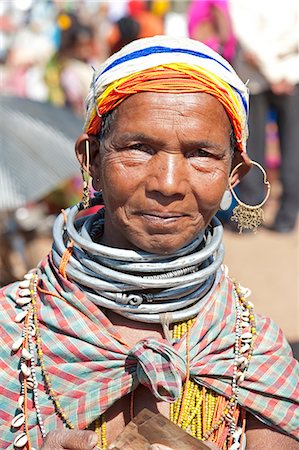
x=158, y=49
x=243, y=100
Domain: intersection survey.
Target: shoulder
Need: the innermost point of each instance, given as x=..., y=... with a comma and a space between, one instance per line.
x=270, y=338
x=272, y=360
x=10, y=322
x=9, y=308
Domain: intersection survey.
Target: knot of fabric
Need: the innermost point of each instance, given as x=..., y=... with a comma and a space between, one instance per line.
x=159, y=367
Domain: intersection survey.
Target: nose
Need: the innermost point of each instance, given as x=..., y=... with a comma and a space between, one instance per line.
x=168, y=176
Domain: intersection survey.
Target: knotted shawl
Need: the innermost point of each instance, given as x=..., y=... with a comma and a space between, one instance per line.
x=91, y=367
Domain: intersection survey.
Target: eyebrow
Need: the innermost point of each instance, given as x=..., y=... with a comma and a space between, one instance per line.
x=155, y=141
x=205, y=144
x=140, y=137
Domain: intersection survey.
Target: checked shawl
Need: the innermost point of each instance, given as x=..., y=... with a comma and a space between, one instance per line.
x=91, y=367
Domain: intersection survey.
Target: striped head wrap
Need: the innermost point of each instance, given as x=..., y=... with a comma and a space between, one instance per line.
x=167, y=65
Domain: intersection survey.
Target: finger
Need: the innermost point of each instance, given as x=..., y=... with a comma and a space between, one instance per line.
x=70, y=440
x=210, y=445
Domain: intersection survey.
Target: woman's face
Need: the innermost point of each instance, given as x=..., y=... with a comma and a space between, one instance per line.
x=163, y=169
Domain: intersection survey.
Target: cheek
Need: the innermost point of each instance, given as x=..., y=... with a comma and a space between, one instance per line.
x=119, y=183
x=210, y=187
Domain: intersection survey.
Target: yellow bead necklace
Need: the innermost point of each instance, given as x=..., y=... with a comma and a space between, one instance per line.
x=202, y=408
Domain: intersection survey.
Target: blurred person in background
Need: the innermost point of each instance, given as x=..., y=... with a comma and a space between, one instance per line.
x=139, y=21
x=122, y=32
x=268, y=57
x=149, y=20
x=25, y=59
x=209, y=22
x=68, y=75
x=68, y=71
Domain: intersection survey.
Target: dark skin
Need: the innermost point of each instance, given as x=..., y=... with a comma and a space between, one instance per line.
x=163, y=169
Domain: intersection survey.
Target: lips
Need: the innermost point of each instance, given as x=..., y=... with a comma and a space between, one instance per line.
x=163, y=214
x=161, y=219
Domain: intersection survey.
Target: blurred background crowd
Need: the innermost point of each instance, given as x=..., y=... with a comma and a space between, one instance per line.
x=47, y=54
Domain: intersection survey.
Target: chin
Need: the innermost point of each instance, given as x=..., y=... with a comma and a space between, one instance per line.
x=163, y=245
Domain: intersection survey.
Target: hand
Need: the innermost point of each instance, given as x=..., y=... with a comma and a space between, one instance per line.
x=164, y=447
x=70, y=440
x=251, y=59
x=282, y=87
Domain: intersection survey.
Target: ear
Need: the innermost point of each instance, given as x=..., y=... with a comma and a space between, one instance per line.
x=240, y=157
x=92, y=167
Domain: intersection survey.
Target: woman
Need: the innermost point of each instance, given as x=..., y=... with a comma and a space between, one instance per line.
x=133, y=309
x=209, y=22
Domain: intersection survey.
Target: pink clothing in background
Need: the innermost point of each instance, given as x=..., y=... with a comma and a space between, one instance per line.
x=202, y=12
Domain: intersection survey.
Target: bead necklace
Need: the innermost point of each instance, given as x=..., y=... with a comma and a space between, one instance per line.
x=40, y=354
x=28, y=374
x=203, y=413
x=198, y=410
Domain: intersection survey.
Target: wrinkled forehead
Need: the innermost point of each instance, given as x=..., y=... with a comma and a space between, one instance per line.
x=152, y=110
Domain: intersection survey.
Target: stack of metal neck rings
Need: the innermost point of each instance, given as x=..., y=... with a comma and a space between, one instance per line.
x=138, y=285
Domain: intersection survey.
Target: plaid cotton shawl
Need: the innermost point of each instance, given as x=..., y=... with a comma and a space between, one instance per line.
x=91, y=368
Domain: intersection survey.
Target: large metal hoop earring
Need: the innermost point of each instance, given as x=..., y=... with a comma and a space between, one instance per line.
x=248, y=216
x=86, y=179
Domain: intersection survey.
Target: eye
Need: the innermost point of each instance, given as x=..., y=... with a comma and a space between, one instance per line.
x=198, y=153
x=138, y=146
